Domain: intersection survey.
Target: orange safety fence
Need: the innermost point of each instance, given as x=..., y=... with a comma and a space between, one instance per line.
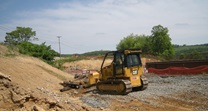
x=180, y=70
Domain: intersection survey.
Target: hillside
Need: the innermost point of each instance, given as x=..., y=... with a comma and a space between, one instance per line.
x=28, y=70
x=191, y=51
x=189, y=48
x=27, y=83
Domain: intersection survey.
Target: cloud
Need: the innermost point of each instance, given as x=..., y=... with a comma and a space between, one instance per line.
x=95, y=25
x=181, y=24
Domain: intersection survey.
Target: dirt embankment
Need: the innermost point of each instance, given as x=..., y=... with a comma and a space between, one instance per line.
x=93, y=64
x=27, y=83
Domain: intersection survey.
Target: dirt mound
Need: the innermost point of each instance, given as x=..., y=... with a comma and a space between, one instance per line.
x=27, y=83
x=93, y=64
x=16, y=98
x=27, y=71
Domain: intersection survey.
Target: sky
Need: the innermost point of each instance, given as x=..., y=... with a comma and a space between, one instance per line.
x=89, y=25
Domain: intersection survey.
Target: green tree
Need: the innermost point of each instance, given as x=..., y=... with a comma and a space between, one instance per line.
x=41, y=51
x=161, y=42
x=143, y=42
x=135, y=41
x=126, y=42
x=21, y=34
x=140, y=41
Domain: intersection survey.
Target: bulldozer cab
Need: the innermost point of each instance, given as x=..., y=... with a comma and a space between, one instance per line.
x=118, y=63
x=121, y=59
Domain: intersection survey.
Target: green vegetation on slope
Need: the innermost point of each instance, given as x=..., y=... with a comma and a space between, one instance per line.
x=191, y=51
x=41, y=51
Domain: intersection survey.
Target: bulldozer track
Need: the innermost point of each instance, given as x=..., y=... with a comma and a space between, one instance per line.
x=144, y=82
x=114, y=86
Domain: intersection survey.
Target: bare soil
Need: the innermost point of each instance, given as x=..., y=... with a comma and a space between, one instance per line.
x=29, y=84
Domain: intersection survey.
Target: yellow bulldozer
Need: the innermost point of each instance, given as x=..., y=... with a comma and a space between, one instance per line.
x=124, y=74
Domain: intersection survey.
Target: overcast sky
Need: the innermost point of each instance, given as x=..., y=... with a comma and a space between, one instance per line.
x=89, y=25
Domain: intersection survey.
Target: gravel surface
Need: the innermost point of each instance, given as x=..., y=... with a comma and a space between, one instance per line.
x=167, y=85
x=172, y=86
x=96, y=101
x=178, y=88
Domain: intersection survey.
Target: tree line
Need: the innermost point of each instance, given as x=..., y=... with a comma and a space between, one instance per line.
x=158, y=43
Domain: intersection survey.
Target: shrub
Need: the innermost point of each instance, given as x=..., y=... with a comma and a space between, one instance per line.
x=41, y=51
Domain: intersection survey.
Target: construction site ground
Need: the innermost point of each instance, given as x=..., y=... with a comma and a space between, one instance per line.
x=29, y=84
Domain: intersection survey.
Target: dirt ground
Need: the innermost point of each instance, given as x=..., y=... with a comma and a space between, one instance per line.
x=28, y=84
x=94, y=64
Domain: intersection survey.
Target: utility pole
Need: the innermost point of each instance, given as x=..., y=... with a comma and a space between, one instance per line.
x=59, y=46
